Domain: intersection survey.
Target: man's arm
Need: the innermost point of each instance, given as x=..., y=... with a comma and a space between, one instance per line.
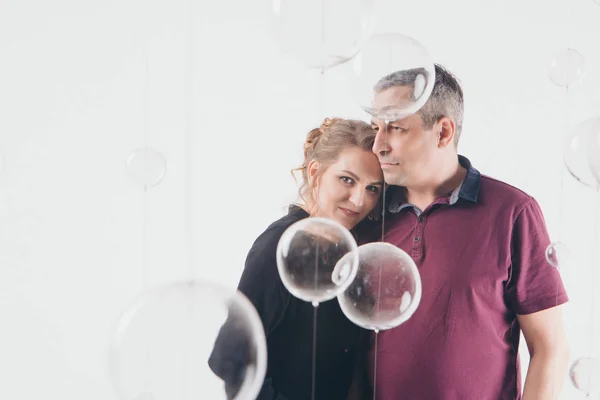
x=546, y=340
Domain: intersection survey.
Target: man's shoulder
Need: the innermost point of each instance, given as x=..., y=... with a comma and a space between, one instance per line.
x=493, y=190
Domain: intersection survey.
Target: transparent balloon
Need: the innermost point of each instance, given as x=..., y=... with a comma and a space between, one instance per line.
x=557, y=254
x=585, y=375
x=309, y=259
x=188, y=340
x=593, y=154
x=386, y=291
x=566, y=67
x=146, y=167
x=393, y=76
x=321, y=34
x=582, y=152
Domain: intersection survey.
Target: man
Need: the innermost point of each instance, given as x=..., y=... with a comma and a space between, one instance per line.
x=479, y=245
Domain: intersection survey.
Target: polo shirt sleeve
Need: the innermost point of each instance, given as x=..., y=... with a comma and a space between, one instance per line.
x=260, y=282
x=533, y=284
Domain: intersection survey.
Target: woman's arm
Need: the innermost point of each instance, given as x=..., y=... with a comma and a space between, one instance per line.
x=261, y=284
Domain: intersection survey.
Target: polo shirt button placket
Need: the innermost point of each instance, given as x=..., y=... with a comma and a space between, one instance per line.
x=417, y=249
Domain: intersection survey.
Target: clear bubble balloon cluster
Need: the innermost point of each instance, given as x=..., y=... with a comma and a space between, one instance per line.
x=188, y=340
x=393, y=74
x=378, y=285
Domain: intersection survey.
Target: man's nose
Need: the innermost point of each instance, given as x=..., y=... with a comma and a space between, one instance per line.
x=381, y=146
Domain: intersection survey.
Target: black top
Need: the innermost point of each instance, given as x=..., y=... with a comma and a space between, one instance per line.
x=288, y=324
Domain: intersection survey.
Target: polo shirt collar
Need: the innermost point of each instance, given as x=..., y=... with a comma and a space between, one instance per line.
x=467, y=190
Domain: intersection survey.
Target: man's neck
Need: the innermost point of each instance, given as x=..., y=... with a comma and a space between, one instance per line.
x=450, y=177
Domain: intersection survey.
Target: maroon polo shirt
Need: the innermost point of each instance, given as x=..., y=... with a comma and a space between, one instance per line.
x=480, y=252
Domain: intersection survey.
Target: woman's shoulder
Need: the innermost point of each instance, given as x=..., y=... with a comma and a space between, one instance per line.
x=276, y=228
x=261, y=261
x=266, y=243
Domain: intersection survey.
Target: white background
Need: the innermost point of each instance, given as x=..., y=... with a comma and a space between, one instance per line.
x=229, y=113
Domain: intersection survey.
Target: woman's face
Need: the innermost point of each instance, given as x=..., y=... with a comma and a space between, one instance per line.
x=348, y=190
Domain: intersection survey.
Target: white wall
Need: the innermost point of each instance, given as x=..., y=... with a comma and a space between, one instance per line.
x=229, y=113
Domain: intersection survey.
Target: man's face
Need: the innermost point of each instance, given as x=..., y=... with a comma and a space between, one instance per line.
x=405, y=150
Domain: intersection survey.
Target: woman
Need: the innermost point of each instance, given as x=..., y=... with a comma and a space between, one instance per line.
x=341, y=180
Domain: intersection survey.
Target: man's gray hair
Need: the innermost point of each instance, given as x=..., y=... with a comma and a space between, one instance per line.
x=446, y=99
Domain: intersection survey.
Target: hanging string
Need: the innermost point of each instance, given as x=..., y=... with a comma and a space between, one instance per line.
x=145, y=207
x=146, y=384
x=189, y=212
x=315, y=308
x=562, y=194
x=321, y=113
x=595, y=266
x=322, y=80
x=383, y=214
x=375, y=365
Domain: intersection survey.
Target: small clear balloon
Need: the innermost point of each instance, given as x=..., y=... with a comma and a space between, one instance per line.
x=585, y=375
x=146, y=167
x=386, y=291
x=582, y=153
x=566, y=67
x=317, y=259
x=557, y=254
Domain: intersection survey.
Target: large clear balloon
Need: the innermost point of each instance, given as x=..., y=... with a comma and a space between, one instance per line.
x=311, y=262
x=386, y=291
x=321, y=34
x=146, y=167
x=566, y=67
x=393, y=76
x=585, y=375
x=582, y=152
x=188, y=340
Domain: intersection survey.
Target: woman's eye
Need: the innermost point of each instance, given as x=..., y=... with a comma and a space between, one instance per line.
x=347, y=179
x=373, y=189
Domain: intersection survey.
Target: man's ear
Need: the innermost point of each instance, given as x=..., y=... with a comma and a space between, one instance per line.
x=445, y=130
